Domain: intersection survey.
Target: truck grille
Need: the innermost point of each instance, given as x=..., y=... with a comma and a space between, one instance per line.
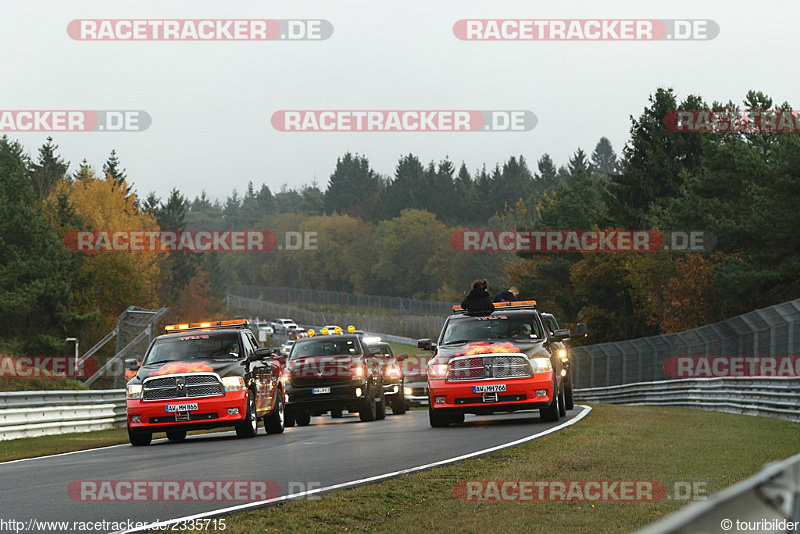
x=302, y=382
x=182, y=387
x=488, y=367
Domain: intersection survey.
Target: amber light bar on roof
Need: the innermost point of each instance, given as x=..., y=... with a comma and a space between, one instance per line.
x=206, y=324
x=503, y=304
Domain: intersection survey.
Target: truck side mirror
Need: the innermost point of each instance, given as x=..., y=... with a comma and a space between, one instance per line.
x=560, y=335
x=581, y=330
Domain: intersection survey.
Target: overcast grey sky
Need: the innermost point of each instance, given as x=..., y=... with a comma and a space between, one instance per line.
x=211, y=102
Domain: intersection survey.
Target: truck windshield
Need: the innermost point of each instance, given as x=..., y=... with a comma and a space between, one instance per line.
x=464, y=329
x=199, y=346
x=323, y=346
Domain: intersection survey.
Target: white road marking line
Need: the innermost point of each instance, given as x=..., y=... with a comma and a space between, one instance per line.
x=153, y=526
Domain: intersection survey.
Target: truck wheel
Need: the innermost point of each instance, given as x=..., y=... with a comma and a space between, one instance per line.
x=139, y=439
x=336, y=413
x=569, y=401
x=288, y=418
x=550, y=414
x=303, y=418
x=178, y=435
x=380, y=407
x=457, y=418
x=368, y=409
x=438, y=420
x=399, y=405
x=273, y=423
x=249, y=427
x=562, y=408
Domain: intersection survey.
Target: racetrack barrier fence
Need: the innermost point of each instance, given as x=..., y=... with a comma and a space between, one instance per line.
x=26, y=414
x=339, y=299
x=771, y=331
x=410, y=326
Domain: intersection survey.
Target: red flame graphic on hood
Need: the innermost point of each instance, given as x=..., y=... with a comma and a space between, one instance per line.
x=182, y=367
x=484, y=347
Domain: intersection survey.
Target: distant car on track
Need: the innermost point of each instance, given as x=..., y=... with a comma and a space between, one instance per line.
x=393, y=377
x=282, y=326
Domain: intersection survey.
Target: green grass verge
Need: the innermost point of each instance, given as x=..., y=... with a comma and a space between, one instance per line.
x=45, y=445
x=612, y=443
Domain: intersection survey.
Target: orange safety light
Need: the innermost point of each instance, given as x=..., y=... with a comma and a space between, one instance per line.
x=206, y=324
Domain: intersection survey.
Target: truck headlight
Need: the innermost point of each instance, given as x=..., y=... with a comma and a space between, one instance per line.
x=358, y=371
x=407, y=392
x=233, y=383
x=393, y=371
x=437, y=370
x=133, y=391
x=541, y=365
x=562, y=353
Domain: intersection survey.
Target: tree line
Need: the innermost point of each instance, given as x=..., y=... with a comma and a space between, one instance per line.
x=390, y=234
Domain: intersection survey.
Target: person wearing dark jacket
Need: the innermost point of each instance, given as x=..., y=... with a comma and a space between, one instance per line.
x=479, y=299
x=509, y=294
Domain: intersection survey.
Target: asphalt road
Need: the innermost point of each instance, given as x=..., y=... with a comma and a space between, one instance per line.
x=328, y=452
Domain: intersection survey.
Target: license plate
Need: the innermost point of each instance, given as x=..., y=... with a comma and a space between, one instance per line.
x=491, y=388
x=318, y=391
x=181, y=407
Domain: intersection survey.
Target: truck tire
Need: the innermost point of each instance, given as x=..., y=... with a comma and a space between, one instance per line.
x=139, y=439
x=302, y=418
x=550, y=413
x=569, y=401
x=177, y=435
x=398, y=405
x=380, y=407
x=249, y=427
x=274, y=422
x=438, y=420
x=368, y=410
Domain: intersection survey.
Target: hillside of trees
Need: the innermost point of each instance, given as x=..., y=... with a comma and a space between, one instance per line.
x=390, y=234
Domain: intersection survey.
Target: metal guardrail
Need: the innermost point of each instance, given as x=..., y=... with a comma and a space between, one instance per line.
x=25, y=414
x=767, y=397
x=766, y=501
x=772, y=331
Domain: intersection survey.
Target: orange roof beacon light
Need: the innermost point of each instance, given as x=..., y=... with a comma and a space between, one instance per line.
x=337, y=330
x=311, y=332
x=205, y=324
x=351, y=329
x=324, y=331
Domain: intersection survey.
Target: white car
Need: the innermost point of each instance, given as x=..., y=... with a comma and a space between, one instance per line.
x=283, y=325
